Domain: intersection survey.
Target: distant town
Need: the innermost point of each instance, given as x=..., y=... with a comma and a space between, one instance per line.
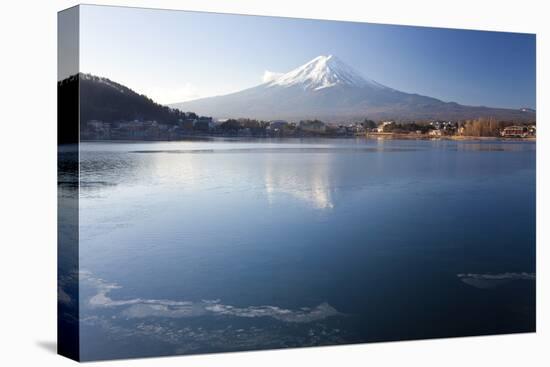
x=197, y=126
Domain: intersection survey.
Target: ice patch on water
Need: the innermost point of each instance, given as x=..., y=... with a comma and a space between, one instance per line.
x=320, y=312
x=485, y=281
x=142, y=308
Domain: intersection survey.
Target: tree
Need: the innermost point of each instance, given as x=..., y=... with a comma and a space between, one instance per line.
x=230, y=125
x=482, y=127
x=369, y=124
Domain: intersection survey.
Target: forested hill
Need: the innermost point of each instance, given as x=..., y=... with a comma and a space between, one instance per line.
x=105, y=100
x=108, y=101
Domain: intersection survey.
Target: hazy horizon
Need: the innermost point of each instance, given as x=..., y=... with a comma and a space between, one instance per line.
x=175, y=56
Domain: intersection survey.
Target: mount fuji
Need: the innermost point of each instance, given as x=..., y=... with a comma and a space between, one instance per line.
x=326, y=88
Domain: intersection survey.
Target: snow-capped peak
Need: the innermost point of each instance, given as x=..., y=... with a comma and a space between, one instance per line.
x=323, y=72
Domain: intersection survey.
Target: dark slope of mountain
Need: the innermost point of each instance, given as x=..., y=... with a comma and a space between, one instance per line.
x=108, y=101
x=67, y=110
x=327, y=89
x=102, y=99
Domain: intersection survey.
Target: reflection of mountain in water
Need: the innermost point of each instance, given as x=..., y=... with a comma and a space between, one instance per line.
x=311, y=185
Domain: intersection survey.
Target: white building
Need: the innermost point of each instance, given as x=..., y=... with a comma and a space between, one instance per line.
x=381, y=127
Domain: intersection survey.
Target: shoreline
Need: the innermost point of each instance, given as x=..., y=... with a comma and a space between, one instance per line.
x=445, y=137
x=377, y=136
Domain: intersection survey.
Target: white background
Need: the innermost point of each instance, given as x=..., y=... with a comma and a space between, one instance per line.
x=28, y=183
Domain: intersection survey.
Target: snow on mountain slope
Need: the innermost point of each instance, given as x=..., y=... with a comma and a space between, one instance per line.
x=326, y=88
x=323, y=72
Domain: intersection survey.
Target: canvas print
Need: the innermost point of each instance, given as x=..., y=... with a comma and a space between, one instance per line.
x=236, y=183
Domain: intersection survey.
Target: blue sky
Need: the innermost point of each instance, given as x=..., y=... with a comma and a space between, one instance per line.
x=174, y=56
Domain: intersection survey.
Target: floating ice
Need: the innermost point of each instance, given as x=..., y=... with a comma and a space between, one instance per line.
x=485, y=281
x=141, y=308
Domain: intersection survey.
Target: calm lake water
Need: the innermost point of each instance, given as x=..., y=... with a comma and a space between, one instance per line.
x=213, y=246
